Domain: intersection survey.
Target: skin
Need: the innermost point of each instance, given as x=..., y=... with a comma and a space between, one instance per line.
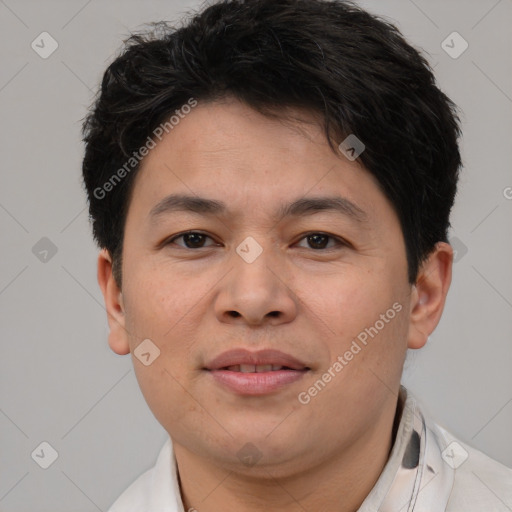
x=307, y=301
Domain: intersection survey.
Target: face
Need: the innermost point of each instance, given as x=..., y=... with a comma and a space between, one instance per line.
x=316, y=294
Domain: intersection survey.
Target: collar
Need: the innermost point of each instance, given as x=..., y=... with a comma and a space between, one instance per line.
x=415, y=476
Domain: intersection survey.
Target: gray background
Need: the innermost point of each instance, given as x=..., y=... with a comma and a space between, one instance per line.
x=59, y=381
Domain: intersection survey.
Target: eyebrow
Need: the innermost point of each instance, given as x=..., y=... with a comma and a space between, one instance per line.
x=300, y=207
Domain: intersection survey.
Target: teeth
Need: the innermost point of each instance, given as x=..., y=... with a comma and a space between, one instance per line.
x=264, y=368
x=253, y=368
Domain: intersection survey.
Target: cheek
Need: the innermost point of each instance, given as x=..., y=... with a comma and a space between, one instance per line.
x=350, y=301
x=160, y=315
x=365, y=306
x=163, y=389
x=156, y=305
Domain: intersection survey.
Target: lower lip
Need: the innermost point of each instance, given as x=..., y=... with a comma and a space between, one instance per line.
x=256, y=383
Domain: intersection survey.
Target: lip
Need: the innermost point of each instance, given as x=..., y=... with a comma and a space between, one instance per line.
x=256, y=383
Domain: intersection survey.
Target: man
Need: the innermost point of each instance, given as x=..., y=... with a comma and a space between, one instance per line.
x=270, y=186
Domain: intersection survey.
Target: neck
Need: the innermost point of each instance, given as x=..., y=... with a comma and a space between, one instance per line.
x=340, y=482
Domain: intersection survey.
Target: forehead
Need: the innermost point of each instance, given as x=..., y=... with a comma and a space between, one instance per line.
x=230, y=129
x=228, y=155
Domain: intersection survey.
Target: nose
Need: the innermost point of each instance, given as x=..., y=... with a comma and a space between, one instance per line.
x=256, y=292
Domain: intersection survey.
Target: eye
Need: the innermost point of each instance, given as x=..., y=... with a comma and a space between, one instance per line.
x=191, y=240
x=196, y=240
x=321, y=240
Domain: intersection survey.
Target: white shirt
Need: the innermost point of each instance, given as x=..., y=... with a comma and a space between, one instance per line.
x=428, y=470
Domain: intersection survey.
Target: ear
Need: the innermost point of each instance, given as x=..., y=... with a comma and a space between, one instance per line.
x=429, y=294
x=118, y=336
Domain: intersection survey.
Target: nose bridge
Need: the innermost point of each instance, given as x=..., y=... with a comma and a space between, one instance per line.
x=253, y=263
x=255, y=287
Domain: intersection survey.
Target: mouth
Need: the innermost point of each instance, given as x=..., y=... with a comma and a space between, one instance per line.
x=256, y=373
x=257, y=368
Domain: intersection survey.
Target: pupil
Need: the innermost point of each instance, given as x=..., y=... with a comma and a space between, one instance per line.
x=315, y=240
x=193, y=238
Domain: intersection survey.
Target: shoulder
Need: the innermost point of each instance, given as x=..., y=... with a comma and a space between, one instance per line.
x=480, y=482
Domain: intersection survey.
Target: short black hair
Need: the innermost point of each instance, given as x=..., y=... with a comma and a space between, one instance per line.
x=352, y=68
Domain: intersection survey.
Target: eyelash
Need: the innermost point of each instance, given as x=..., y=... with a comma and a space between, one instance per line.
x=339, y=242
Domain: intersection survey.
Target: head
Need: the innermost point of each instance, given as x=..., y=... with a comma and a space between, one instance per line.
x=246, y=105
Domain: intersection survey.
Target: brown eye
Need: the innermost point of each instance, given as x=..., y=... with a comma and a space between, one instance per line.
x=191, y=240
x=318, y=241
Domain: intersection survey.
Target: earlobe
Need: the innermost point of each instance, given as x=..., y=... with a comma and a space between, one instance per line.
x=114, y=305
x=429, y=295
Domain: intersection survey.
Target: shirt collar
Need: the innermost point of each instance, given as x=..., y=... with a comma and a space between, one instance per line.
x=415, y=476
